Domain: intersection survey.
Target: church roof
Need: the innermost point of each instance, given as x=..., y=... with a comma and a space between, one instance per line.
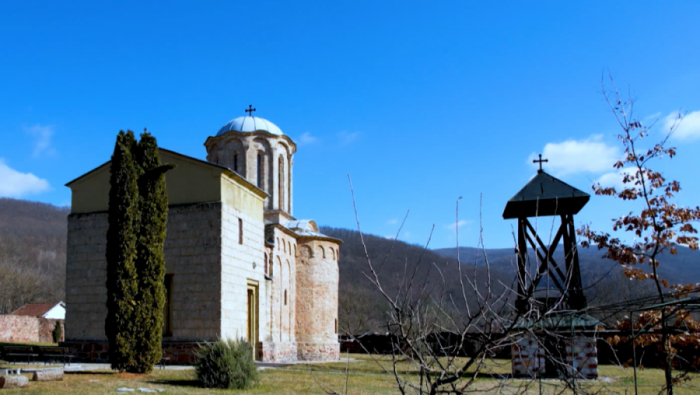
x=545, y=195
x=249, y=124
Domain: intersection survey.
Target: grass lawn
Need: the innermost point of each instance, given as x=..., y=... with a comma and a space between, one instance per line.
x=365, y=377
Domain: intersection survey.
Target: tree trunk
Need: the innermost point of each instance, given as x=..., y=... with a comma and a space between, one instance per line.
x=13, y=381
x=48, y=375
x=668, y=357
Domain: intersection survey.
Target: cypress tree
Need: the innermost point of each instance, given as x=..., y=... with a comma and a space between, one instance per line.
x=150, y=262
x=122, y=286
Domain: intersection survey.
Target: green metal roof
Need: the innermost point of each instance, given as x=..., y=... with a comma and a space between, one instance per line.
x=560, y=322
x=545, y=195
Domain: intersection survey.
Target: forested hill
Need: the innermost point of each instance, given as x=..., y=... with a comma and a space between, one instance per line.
x=32, y=253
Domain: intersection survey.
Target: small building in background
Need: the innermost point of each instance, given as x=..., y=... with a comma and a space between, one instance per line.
x=53, y=311
x=33, y=323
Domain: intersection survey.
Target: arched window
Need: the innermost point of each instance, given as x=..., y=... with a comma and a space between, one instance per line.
x=235, y=162
x=280, y=183
x=289, y=186
x=260, y=170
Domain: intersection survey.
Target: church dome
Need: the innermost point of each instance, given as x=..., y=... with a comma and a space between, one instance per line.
x=250, y=124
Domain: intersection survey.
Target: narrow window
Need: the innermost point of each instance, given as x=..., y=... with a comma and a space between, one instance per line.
x=336, y=325
x=265, y=265
x=289, y=186
x=285, y=297
x=260, y=170
x=235, y=162
x=167, y=306
x=280, y=183
x=240, y=231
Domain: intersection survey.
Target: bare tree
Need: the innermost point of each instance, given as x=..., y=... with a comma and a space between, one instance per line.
x=659, y=226
x=430, y=328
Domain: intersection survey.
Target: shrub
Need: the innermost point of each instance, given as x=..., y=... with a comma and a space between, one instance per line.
x=226, y=364
x=57, y=332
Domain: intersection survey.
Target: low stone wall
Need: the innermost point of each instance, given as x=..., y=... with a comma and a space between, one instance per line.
x=180, y=353
x=318, y=351
x=277, y=352
x=26, y=329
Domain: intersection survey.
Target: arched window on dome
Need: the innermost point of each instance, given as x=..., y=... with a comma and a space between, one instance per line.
x=280, y=183
x=235, y=162
x=289, y=186
x=260, y=170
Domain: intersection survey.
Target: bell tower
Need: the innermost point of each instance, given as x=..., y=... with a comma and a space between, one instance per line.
x=543, y=196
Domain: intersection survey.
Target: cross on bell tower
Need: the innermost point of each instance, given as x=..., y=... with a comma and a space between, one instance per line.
x=250, y=110
x=540, y=162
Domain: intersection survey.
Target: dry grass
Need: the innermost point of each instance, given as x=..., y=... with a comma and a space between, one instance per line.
x=365, y=377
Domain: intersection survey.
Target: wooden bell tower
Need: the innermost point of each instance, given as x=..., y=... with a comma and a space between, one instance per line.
x=543, y=196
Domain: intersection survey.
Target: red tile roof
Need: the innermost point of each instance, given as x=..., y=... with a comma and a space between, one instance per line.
x=35, y=309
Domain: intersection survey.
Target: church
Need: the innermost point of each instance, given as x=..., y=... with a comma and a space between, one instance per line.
x=238, y=263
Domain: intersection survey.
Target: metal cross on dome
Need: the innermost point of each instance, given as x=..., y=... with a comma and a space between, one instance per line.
x=540, y=161
x=250, y=110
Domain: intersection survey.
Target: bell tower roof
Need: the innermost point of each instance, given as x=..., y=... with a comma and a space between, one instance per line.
x=545, y=195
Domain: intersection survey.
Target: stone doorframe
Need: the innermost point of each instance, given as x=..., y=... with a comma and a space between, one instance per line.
x=252, y=327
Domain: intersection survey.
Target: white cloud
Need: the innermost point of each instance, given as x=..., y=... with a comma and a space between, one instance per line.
x=687, y=129
x=458, y=224
x=392, y=221
x=15, y=184
x=614, y=178
x=348, y=137
x=652, y=117
x=42, y=139
x=578, y=156
x=307, y=138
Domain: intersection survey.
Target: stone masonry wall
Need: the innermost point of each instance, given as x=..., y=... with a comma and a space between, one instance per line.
x=280, y=343
x=19, y=328
x=582, y=357
x=192, y=255
x=527, y=357
x=177, y=353
x=86, y=295
x=317, y=300
x=26, y=329
x=242, y=263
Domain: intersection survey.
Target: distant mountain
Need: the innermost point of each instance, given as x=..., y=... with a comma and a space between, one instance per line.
x=683, y=268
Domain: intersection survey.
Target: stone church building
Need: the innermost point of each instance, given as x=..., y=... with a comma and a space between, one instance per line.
x=238, y=263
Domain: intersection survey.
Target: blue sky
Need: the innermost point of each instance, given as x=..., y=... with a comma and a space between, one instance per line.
x=420, y=102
